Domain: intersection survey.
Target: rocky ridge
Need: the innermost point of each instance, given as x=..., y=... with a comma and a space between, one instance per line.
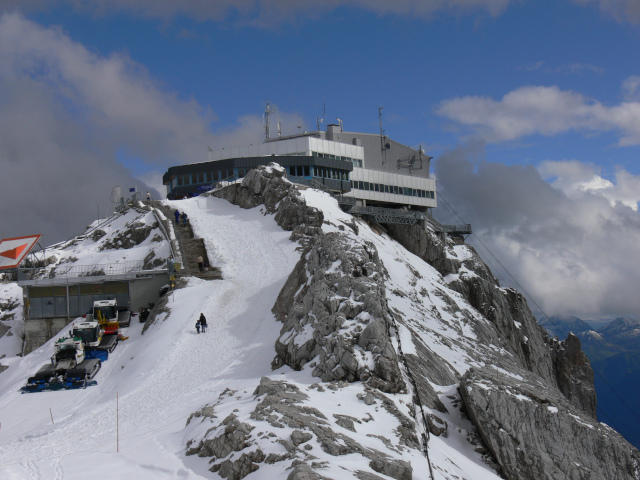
x=344, y=316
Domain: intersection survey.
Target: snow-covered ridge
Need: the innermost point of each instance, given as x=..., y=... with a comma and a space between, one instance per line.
x=246, y=419
x=131, y=239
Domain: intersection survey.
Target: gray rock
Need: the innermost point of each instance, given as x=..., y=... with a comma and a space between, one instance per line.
x=334, y=316
x=302, y=471
x=437, y=426
x=515, y=327
x=574, y=374
x=533, y=431
x=267, y=185
x=298, y=437
x=398, y=469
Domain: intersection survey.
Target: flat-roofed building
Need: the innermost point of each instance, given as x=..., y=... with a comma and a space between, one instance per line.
x=372, y=169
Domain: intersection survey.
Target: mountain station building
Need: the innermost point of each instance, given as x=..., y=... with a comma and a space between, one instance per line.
x=370, y=168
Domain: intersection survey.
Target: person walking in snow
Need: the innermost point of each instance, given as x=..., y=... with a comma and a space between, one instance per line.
x=184, y=219
x=201, y=263
x=148, y=198
x=203, y=322
x=198, y=326
x=177, y=214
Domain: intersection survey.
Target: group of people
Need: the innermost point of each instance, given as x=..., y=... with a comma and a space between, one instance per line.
x=179, y=216
x=201, y=324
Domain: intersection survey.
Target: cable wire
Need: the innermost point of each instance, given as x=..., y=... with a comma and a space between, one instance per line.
x=524, y=291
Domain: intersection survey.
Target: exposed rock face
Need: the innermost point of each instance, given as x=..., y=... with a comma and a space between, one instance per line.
x=508, y=311
x=279, y=407
x=334, y=312
x=338, y=309
x=535, y=432
x=333, y=304
x=574, y=374
x=133, y=235
x=267, y=185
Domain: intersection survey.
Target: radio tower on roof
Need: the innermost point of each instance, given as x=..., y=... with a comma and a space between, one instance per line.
x=268, y=110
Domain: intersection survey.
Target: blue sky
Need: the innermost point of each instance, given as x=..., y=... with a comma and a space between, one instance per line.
x=530, y=108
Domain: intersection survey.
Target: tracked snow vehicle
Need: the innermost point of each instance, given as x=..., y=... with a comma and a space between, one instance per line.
x=97, y=344
x=109, y=315
x=69, y=368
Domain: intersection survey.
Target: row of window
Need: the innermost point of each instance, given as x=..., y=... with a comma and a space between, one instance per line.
x=322, y=172
x=204, y=177
x=396, y=190
x=356, y=161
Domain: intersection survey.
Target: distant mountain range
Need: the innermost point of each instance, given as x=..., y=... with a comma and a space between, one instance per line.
x=613, y=347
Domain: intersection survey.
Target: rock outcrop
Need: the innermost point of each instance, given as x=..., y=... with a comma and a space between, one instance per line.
x=238, y=446
x=346, y=320
x=268, y=186
x=334, y=312
x=507, y=309
x=535, y=432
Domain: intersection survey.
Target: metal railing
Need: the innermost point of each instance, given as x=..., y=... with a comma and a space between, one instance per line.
x=66, y=271
x=462, y=229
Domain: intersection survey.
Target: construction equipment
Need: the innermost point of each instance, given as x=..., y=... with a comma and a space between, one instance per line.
x=69, y=368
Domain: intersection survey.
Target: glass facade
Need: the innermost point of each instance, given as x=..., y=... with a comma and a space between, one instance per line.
x=382, y=188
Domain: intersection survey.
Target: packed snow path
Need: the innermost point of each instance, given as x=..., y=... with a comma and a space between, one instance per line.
x=163, y=376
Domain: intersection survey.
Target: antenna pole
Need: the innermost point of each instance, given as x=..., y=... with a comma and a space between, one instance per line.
x=267, y=113
x=383, y=149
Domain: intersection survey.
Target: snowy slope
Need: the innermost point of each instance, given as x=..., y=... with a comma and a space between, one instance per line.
x=160, y=378
x=131, y=236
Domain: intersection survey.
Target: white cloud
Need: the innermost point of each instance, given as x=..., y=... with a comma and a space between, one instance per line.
x=68, y=115
x=572, y=243
x=628, y=10
x=631, y=88
x=576, y=179
x=266, y=12
x=542, y=110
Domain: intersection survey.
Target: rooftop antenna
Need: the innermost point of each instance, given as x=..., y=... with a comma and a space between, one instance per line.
x=383, y=145
x=279, y=130
x=324, y=114
x=268, y=110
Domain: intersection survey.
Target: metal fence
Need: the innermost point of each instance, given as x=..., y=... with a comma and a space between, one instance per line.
x=66, y=271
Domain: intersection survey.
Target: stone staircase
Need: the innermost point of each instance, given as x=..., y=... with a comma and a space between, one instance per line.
x=190, y=248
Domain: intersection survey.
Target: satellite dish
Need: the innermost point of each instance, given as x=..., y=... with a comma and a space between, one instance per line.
x=116, y=194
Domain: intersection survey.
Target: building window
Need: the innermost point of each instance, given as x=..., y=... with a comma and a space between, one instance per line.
x=179, y=178
x=360, y=185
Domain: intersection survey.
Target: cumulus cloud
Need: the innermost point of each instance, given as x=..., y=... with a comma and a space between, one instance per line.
x=542, y=110
x=628, y=10
x=267, y=11
x=66, y=116
x=567, y=235
x=631, y=88
x=70, y=117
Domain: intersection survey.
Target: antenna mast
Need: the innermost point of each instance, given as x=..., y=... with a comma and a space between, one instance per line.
x=268, y=110
x=383, y=147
